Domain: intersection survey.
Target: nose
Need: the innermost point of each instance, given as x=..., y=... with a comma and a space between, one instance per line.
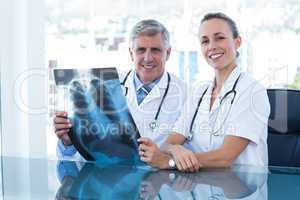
x=211, y=45
x=148, y=56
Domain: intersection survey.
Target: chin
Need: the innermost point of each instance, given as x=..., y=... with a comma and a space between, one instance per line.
x=147, y=77
x=216, y=67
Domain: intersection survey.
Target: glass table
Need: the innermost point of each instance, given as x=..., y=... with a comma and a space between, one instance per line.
x=61, y=179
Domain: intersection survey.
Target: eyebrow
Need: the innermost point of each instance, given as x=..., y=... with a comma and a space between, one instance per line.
x=219, y=33
x=215, y=34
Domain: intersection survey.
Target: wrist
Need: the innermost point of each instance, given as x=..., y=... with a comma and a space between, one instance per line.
x=172, y=149
x=165, y=162
x=66, y=143
x=168, y=148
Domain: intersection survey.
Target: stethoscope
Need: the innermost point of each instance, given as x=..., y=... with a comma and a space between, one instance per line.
x=232, y=91
x=153, y=125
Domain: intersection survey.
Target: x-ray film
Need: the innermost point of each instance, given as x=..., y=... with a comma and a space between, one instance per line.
x=102, y=126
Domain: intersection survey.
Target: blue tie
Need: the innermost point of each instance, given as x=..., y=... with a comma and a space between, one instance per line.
x=142, y=93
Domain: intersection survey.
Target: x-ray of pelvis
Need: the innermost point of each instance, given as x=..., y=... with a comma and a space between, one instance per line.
x=102, y=126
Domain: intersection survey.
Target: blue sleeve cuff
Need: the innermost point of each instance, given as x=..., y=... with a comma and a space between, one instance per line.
x=66, y=168
x=65, y=150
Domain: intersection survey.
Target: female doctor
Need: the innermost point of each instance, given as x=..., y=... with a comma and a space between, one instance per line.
x=225, y=122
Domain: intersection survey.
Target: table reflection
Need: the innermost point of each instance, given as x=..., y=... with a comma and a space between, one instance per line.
x=93, y=181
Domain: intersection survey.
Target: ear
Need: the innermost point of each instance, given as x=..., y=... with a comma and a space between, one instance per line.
x=168, y=53
x=131, y=54
x=238, y=42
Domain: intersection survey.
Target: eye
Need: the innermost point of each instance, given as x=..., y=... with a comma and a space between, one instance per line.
x=204, y=41
x=220, y=38
x=156, y=50
x=140, y=50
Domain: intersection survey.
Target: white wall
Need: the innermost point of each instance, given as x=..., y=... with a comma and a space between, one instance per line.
x=23, y=94
x=23, y=78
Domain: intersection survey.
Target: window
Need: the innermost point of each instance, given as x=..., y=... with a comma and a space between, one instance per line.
x=89, y=33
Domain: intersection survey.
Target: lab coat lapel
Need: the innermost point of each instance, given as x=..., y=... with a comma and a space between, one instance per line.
x=207, y=99
x=131, y=95
x=230, y=81
x=220, y=111
x=228, y=84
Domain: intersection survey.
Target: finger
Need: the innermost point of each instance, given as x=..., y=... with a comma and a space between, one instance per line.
x=178, y=165
x=58, y=127
x=61, y=120
x=145, y=159
x=144, y=140
x=145, y=154
x=181, y=161
x=142, y=153
x=61, y=114
x=195, y=163
x=143, y=147
x=184, y=164
x=191, y=161
x=188, y=164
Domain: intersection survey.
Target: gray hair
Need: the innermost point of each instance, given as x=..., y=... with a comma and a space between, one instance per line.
x=149, y=27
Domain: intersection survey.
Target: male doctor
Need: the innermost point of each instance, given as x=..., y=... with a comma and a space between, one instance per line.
x=154, y=96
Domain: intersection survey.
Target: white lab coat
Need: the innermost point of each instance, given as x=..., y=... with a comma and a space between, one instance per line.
x=144, y=113
x=247, y=118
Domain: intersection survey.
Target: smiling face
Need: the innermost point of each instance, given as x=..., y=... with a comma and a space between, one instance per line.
x=149, y=56
x=218, y=46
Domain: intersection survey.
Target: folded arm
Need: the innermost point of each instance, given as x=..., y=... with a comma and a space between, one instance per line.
x=172, y=149
x=224, y=156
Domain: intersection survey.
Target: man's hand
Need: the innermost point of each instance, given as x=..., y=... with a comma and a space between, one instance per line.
x=151, y=154
x=62, y=127
x=185, y=159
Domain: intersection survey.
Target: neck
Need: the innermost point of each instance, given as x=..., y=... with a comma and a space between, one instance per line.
x=149, y=81
x=221, y=76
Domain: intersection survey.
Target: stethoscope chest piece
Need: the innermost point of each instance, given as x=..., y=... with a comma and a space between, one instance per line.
x=190, y=136
x=153, y=125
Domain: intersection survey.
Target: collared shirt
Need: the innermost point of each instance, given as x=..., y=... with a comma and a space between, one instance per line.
x=65, y=151
x=247, y=117
x=138, y=84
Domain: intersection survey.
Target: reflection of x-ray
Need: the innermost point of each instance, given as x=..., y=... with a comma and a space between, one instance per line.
x=94, y=181
x=103, y=128
x=134, y=182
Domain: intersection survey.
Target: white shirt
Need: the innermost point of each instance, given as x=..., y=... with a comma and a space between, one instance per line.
x=144, y=113
x=247, y=117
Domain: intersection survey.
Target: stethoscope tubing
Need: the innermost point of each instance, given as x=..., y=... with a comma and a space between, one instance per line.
x=163, y=98
x=201, y=98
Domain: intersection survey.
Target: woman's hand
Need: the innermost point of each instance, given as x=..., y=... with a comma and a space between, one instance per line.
x=185, y=159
